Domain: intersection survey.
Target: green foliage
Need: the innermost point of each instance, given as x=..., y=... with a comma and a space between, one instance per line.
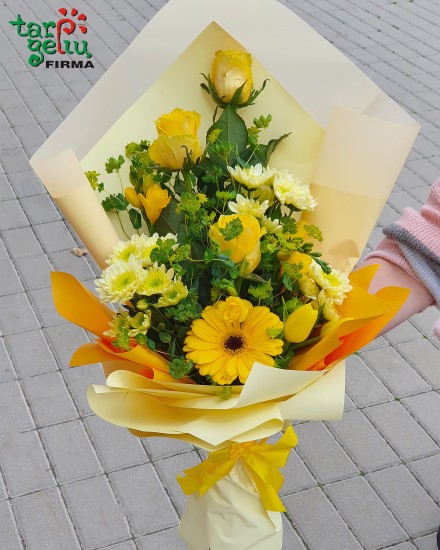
x=232, y=230
x=115, y=203
x=180, y=367
x=114, y=165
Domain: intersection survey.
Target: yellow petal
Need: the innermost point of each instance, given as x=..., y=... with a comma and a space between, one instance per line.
x=300, y=323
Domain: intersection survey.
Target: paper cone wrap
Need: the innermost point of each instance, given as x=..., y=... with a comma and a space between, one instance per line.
x=230, y=515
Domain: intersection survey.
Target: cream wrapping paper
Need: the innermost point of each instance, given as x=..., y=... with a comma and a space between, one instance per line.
x=236, y=519
x=349, y=140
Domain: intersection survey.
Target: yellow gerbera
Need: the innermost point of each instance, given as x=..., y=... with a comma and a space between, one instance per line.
x=225, y=347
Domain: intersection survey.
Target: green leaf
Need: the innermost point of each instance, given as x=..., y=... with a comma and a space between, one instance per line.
x=232, y=230
x=233, y=128
x=169, y=220
x=135, y=218
x=165, y=337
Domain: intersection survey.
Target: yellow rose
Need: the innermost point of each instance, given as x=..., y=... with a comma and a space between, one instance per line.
x=154, y=202
x=234, y=309
x=172, y=151
x=131, y=196
x=178, y=123
x=300, y=323
x=230, y=70
x=244, y=248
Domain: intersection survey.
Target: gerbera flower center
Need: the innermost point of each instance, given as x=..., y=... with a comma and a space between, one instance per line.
x=235, y=343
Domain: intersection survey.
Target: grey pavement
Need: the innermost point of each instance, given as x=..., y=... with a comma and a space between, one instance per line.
x=70, y=481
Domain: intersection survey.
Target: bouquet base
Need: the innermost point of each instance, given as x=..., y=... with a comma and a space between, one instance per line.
x=230, y=515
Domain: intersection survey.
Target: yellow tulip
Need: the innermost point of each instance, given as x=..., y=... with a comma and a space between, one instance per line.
x=244, y=248
x=131, y=196
x=178, y=123
x=230, y=70
x=300, y=323
x=154, y=202
x=174, y=151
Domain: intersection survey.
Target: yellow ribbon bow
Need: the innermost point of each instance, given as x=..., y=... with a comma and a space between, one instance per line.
x=260, y=460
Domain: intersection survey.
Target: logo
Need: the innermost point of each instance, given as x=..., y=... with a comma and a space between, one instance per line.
x=48, y=38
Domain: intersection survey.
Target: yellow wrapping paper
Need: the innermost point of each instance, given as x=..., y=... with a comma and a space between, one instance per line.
x=231, y=515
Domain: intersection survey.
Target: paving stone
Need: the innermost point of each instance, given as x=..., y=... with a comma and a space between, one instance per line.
x=296, y=476
x=54, y=236
x=371, y=522
x=425, y=320
x=11, y=215
x=397, y=375
x=426, y=410
x=116, y=447
x=21, y=242
x=40, y=209
x=408, y=501
x=26, y=183
x=401, y=431
x=405, y=332
x=71, y=452
x=331, y=465
x=14, y=160
x=49, y=399
x=426, y=471
x=78, y=380
x=168, y=469
x=34, y=271
x=7, y=372
x=65, y=260
x=163, y=447
x=362, y=385
x=3, y=493
x=9, y=278
x=64, y=340
x=6, y=191
x=426, y=543
x=429, y=367
x=24, y=464
x=169, y=538
x=402, y=546
x=42, y=302
x=129, y=545
x=359, y=438
x=44, y=522
x=8, y=140
x=15, y=415
x=33, y=358
x=143, y=500
x=322, y=529
x=96, y=525
x=10, y=538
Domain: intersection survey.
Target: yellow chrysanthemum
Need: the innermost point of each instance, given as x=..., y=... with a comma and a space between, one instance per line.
x=120, y=281
x=158, y=280
x=225, y=347
x=139, y=246
x=174, y=295
x=335, y=284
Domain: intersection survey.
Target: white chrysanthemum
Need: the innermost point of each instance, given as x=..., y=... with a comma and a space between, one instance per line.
x=248, y=206
x=158, y=280
x=335, y=284
x=263, y=193
x=120, y=281
x=251, y=177
x=139, y=246
x=271, y=226
x=292, y=191
x=174, y=295
x=328, y=307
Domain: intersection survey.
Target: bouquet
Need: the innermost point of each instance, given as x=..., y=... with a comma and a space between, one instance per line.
x=228, y=322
